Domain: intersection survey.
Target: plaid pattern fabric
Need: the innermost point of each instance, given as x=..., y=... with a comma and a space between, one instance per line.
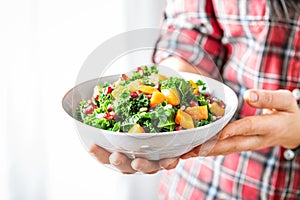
x=249, y=44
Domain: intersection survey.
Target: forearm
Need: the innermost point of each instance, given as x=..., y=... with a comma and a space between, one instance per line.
x=181, y=65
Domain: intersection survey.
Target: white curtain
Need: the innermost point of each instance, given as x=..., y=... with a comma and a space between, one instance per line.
x=42, y=46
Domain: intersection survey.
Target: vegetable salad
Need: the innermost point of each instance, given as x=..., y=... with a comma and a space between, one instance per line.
x=146, y=101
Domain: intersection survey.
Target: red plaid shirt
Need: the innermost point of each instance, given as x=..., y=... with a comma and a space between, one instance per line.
x=255, y=44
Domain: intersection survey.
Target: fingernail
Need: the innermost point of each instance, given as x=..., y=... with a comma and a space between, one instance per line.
x=93, y=149
x=113, y=160
x=138, y=166
x=252, y=96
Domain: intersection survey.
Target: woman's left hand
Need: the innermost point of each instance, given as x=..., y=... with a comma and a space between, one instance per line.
x=279, y=125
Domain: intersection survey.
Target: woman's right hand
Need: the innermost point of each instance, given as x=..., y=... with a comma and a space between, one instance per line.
x=129, y=166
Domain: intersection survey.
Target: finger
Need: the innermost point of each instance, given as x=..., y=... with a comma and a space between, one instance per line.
x=121, y=162
x=168, y=163
x=193, y=153
x=282, y=100
x=238, y=144
x=202, y=149
x=101, y=154
x=254, y=125
x=145, y=166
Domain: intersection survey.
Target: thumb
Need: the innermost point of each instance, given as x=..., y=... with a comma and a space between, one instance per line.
x=282, y=100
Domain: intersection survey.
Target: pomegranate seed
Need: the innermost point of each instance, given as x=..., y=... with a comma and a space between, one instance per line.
x=222, y=104
x=134, y=94
x=149, y=96
x=193, y=103
x=97, y=98
x=107, y=116
x=109, y=107
x=125, y=77
x=178, y=128
x=207, y=95
x=109, y=90
x=112, y=115
x=88, y=110
x=139, y=69
x=157, y=86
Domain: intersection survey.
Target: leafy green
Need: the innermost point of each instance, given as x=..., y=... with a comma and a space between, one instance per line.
x=158, y=120
x=103, y=102
x=101, y=123
x=130, y=108
x=127, y=106
x=201, y=84
x=183, y=86
x=165, y=116
x=144, y=72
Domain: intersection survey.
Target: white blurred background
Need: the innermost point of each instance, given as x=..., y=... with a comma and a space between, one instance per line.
x=42, y=47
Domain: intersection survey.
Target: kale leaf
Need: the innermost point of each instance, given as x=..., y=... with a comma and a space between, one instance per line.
x=184, y=88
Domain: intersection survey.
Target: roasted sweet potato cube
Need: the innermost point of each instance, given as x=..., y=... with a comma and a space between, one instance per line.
x=216, y=109
x=198, y=112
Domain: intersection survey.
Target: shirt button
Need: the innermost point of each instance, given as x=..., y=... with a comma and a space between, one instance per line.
x=288, y=154
x=296, y=93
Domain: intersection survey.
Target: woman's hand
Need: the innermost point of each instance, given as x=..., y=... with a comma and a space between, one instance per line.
x=128, y=166
x=279, y=125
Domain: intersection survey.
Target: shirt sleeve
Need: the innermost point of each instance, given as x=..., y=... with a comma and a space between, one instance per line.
x=190, y=31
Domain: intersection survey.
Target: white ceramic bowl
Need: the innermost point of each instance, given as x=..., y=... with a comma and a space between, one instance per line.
x=152, y=146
